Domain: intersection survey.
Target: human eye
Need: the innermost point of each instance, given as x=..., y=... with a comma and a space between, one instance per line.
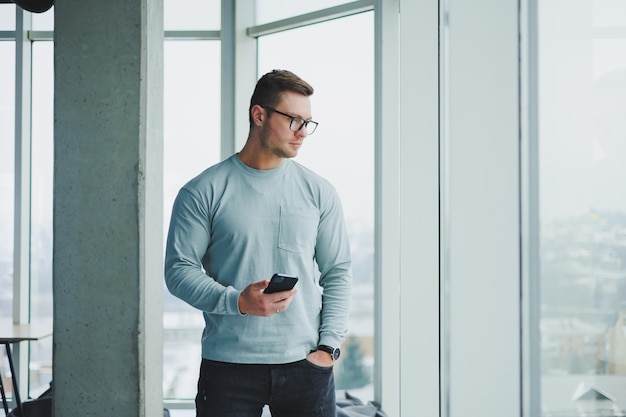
x=297, y=123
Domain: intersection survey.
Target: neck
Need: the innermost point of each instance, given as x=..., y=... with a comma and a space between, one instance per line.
x=257, y=159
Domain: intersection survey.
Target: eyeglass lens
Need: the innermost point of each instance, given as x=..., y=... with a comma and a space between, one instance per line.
x=298, y=123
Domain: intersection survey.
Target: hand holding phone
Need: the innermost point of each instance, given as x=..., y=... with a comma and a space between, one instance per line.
x=281, y=282
x=256, y=298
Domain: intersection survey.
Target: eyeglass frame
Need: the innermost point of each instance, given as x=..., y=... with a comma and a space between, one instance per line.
x=305, y=123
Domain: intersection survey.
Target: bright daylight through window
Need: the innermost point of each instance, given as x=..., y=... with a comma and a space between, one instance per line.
x=582, y=148
x=342, y=150
x=192, y=122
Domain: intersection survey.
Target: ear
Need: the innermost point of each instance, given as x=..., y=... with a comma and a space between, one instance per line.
x=258, y=115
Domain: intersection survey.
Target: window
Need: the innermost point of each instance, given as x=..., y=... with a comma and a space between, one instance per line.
x=43, y=21
x=192, y=144
x=582, y=207
x=40, y=362
x=7, y=17
x=7, y=176
x=342, y=151
x=191, y=14
x=7, y=172
x=37, y=144
x=192, y=115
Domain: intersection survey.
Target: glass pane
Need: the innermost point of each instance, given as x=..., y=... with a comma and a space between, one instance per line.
x=41, y=216
x=582, y=145
x=272, y=10
x=7, y=176
x=344, y=92
x=192, y=14
x=44, y=21
x=609, y=13
x=7, y=17
x=192, y=144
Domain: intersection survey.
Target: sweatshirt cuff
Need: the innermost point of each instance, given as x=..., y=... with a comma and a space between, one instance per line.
x=232, y=302
x=330, y=339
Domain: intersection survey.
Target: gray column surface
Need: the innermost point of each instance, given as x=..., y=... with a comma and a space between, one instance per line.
x=107, y=274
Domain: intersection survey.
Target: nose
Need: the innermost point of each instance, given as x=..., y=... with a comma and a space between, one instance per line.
x=302, y=133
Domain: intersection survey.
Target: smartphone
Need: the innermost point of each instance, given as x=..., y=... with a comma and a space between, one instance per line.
x=281, y=282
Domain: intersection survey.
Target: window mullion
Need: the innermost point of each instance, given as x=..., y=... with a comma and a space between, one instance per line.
x=22, y=167
x=21, y=262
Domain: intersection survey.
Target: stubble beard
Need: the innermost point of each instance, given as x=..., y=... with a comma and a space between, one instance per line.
x=269, y=148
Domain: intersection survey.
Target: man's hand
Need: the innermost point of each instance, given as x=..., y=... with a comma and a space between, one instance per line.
x=253, y=301
x=320, y=358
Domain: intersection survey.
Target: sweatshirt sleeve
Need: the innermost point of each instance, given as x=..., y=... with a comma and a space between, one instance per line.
x=187, y=242
x=333, y=257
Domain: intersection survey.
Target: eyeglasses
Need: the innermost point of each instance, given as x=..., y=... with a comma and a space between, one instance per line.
x=297, y=123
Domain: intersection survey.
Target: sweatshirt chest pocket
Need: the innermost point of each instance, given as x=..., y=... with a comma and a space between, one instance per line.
x=298, y=229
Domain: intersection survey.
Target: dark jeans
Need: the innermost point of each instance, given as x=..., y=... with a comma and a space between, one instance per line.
x=298, y=389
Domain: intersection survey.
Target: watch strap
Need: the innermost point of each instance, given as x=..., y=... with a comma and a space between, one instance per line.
x=334, y=352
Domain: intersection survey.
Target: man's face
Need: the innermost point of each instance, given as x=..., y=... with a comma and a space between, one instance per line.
x=276, y=136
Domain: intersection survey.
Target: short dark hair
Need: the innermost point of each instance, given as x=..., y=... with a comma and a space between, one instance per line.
x=270, y=88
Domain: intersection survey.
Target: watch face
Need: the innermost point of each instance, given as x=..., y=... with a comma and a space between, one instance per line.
x=336, y=353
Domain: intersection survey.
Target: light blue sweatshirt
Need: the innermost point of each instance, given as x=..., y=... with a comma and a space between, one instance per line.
x=233, y=225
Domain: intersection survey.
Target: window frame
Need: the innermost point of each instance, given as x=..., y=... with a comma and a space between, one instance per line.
x=481, y=258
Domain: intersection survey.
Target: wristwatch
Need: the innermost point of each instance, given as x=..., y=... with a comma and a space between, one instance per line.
x=334, y=352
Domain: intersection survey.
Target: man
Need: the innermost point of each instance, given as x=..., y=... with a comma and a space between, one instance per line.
x=236, y=224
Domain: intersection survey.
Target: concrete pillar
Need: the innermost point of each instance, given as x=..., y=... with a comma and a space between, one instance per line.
x=108, y=248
